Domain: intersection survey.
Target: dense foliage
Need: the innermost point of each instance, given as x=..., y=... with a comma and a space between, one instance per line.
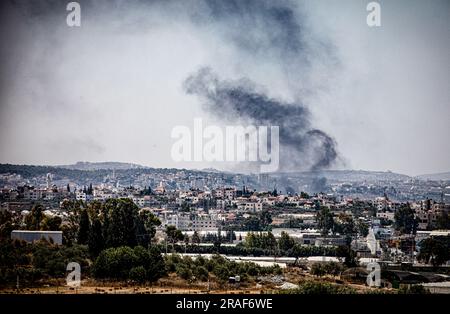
x=435, y=251
x=122, y=263
x=41, y=260
x=241, y=250
x=201, y=269
x=114, y=223
x=328, y=268
x=405, y=220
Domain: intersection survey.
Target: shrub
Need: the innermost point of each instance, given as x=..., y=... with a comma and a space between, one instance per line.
x=184, y=272
x=116, y=263
x=414, y=289
x=222, y=268
x=317, y=270
x=156, y=268
x=138, y=274
x=221, y=272
x=328, y=268
x=201, y=273
x=200, y=261
x=333, y=268
x=121, y=260
x=252, y=269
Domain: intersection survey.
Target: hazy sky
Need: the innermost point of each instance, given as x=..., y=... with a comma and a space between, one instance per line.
x=112, y=89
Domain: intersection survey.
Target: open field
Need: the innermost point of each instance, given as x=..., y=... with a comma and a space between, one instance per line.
x=174, y=285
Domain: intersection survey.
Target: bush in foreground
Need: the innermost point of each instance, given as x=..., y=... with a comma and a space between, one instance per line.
x=124, y=263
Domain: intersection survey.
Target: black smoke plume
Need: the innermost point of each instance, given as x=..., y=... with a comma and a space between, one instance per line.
x=302, y=147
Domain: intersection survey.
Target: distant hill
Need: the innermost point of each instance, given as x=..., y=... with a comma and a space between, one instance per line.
x=351, y=175
x=107, y=165
x=99, y=169
x=435, y=176
x=211, y=170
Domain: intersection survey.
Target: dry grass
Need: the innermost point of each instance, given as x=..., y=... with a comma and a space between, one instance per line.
x=174, y=285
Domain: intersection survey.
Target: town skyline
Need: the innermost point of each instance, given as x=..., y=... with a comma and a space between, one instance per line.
x=209, y=168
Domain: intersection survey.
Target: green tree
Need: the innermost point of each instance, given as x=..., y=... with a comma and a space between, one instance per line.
x=317, y=270
x=7, y=223
x=286, y=242
x=230, y=236
x=184, y=271
x=252, y=223
x=346, y=226
x=363, y=228
x=251, y=240
x=435, y=250
x=266, y=219
x=325, y=220
x=333, y=268
x=52, y=223
x=269, y=241
x=33, y=220
x=138, y=274
x=350, y=258
x=173, y=234
x=405, y=222
x=145, y=226
x=96, y=242
x=71, y=225
x=196, y=238
x=156, y=268
x=150, y=222
x=263, y=240
x=120, y=222
x=222, y=272
x=201, y=273
x=304, y=195
x=84, y=226
x=115, y=263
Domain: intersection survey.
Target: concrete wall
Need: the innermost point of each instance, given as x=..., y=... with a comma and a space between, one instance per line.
x=31, y=236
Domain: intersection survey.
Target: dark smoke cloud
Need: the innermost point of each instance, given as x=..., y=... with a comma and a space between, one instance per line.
x=274, y=32
x=301, y=145
x=271, y=32
x=318, y=185
x=256, y=25
x=260, y=36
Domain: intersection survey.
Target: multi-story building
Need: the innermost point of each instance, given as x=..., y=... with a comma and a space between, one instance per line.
x=190, y=222
x=429, y=212
x=82, y=196
x=250, y=206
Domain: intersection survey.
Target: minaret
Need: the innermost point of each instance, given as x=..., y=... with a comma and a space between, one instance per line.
x=49, y=181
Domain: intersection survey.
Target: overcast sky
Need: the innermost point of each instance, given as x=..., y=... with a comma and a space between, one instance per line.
x=112, y=89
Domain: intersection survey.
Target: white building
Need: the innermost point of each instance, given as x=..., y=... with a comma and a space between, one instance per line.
x=31, y=236
x=81, y=196
x=250, y=206
x=187, y=222
x=386, y=215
